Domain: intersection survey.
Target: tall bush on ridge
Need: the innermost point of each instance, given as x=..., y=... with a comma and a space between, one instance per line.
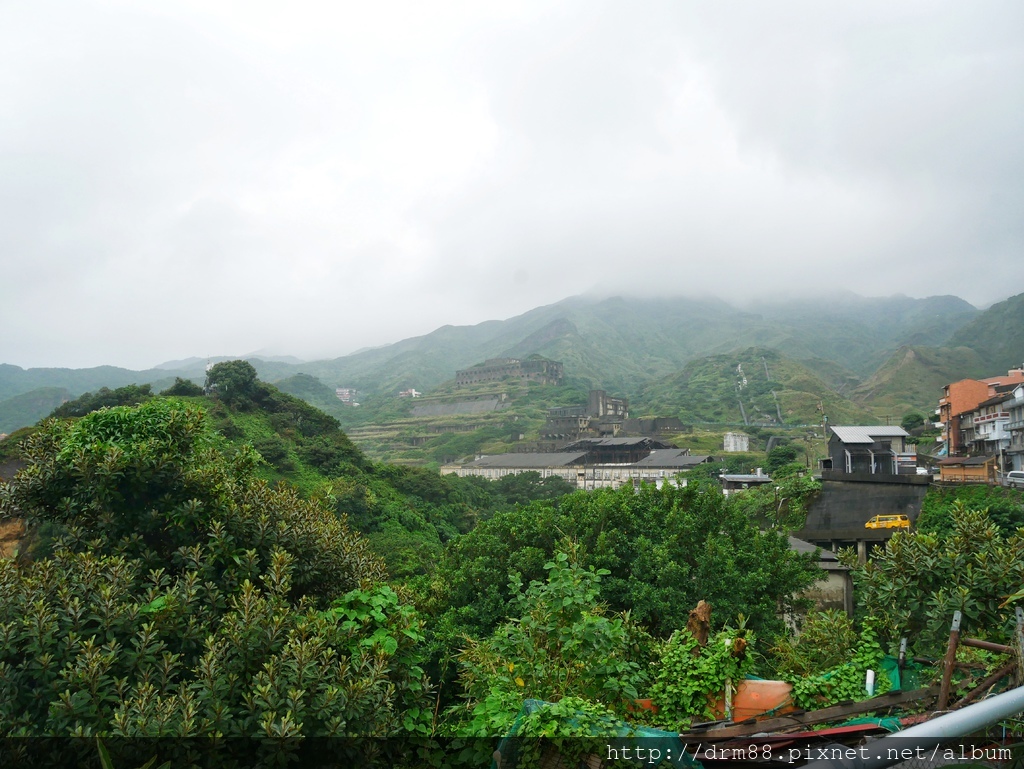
x=185, y=597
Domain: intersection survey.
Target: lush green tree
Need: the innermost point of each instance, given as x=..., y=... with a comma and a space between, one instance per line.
x=186, y=597
x=826, y=640
x=780, y=456
x=912, y=421
x=146, y=481
x=234, y=382
x=665, y=550
x=183, y=387
x=1005, y=507
x=560, y=643
x=913, y=585
x=129, y=395
x=523, y=488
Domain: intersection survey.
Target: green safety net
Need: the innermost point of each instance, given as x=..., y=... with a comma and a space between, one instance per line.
x=912, y=674
x=890, y=723
x=629, y=739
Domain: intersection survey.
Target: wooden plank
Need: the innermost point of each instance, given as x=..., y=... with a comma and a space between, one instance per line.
x=811, y=717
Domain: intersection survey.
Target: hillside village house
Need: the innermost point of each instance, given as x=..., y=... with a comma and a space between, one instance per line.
x=1015, y=427
x=985, y=429
x=739, y=481
x=968, y=470
x=961, y=399
x=870, y=450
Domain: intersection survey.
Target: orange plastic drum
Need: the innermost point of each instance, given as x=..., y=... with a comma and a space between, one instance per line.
x=755, y=698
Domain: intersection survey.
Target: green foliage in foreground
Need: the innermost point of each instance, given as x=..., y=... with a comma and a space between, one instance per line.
x=845, y=681
x=688, y=672
x=912, y=586
x=826, y=640
x=664, y=550
x=1005, y=507
x=574, y=728
x=561, y=644
x=186, y=597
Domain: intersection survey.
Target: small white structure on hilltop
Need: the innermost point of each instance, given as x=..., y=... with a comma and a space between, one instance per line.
x=736, y=442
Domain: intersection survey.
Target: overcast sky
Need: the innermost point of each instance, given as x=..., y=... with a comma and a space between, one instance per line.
x=213, y=178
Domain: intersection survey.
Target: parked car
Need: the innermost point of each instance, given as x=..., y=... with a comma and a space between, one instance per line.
x=1014, y=478
x=888, y=522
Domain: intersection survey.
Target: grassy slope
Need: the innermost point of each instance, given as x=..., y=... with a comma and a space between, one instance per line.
x=406, y=513
x=913, y=378
x=711, y=389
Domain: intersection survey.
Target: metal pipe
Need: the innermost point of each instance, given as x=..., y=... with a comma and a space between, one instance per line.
x=888, y=750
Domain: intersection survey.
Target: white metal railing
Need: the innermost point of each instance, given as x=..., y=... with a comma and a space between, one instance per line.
x=989, y=417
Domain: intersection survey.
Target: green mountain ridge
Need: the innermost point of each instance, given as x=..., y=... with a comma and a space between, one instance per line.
x=618, y=343
x=852, y=345
x=997, y=334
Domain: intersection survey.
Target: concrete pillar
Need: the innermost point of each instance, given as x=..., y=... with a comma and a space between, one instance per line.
x=862, y=551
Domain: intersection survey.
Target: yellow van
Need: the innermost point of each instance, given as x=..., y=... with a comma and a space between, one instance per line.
x=888, y=522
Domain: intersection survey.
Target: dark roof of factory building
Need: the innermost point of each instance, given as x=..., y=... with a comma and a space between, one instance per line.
x=673, y=458
x=590, y=443
x=536, y=459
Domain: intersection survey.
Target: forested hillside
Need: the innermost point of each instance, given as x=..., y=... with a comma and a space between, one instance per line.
x=618, y=343
x=406, y=513
x=997, y=334
x=29, y=407
x=230, y=564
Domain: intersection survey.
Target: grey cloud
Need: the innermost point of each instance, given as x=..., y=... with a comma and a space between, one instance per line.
x=326, y=177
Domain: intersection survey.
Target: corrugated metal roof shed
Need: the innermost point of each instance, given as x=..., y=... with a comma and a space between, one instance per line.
x=868, y=433
x=966, y=461
x=739, y=478
x=802, y=546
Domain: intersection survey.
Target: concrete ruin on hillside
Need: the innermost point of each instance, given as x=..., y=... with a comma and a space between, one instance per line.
x=535, y=368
